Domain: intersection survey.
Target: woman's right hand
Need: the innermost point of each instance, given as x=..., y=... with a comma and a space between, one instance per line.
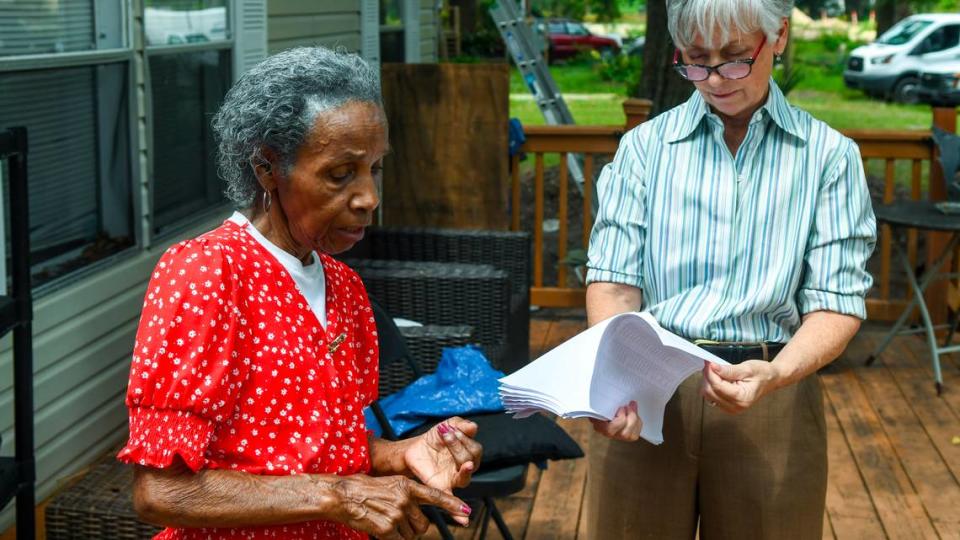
x=388, y=507
x=625, y=426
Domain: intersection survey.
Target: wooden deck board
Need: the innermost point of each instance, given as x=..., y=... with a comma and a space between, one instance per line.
x=894, y=468
x=898, y=505
x=553, y=515
x=926, y=470
x=849, y=507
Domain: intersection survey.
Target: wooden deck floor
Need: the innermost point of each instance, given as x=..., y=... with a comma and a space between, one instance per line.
x=894, y=449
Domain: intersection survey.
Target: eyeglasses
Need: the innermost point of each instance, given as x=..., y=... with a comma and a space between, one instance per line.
x=737, y=69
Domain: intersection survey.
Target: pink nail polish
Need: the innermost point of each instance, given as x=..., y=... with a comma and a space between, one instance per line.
x=442, y=428
x=465, y=509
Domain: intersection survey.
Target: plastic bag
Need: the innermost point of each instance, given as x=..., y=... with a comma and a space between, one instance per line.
x=464, y=383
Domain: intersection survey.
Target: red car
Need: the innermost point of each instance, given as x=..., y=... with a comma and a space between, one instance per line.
x=569, y=38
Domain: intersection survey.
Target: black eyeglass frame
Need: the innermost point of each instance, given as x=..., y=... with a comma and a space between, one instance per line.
x=681, y=68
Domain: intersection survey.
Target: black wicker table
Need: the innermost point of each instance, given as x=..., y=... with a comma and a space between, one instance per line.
x=923, y=215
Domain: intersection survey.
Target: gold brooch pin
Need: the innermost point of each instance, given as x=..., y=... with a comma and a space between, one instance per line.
x=332, y=347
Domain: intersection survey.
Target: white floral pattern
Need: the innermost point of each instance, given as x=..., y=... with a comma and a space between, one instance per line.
x=231, y=370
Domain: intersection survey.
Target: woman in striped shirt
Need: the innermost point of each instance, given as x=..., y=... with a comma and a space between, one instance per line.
x=744, y=224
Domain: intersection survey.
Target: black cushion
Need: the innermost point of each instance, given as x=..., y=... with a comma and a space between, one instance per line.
x=507, y=441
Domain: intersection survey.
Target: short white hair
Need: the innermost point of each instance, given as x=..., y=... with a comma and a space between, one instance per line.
x=686, y=19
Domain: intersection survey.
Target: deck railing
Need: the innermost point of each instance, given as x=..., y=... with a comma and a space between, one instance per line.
x=904, y=156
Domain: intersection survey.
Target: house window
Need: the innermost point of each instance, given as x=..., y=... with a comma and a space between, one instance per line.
x=39, y=27
x=188, y=51
x=76, y=109
x=68, y=74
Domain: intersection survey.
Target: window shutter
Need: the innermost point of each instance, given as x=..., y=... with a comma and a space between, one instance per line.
x=370, y=31
x=41, y=26
x=411, y=30
x=250, y=35
x=57, y=107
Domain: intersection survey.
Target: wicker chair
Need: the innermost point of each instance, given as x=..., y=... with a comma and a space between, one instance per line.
x=444, y=294
x=507, y=251
x=100, y=505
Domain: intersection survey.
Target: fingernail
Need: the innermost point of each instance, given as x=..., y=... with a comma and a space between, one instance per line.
x=469, y=465
x=442, y=428
x=465, y=509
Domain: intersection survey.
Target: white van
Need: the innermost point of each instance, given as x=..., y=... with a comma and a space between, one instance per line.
x=890, y=66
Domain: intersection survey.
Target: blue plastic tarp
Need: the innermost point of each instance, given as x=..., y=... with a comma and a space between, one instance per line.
x=464, y=383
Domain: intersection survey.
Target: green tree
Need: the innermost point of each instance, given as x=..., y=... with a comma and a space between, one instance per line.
x=604, y=10
x=891, y=11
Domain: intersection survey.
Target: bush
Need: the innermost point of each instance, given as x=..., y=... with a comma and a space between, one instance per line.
x=832, y=42
x=485, y=42
x=621, y=68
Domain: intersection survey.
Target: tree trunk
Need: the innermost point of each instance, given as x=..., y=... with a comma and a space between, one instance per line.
x=660, y=82
x=886, y=15
x=854, y=6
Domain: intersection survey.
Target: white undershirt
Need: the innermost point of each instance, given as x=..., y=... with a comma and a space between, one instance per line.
x=309, y=278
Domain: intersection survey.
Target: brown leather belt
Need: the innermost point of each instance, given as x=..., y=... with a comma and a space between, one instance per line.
x=736, y=353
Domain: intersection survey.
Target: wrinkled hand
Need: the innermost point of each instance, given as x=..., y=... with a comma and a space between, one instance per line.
x=736, y=388
x=446, y=456
x=388, y=507
x=625, y=426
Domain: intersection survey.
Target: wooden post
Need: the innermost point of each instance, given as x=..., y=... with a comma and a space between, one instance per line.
x=637, y=111
x=946, y=119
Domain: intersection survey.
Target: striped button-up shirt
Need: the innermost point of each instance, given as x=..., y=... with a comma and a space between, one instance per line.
x=735, y=248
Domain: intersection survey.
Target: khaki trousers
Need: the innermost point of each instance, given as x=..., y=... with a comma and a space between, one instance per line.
x=761, y=474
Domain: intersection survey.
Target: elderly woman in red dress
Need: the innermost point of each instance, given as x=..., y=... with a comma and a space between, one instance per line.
x=257, y=351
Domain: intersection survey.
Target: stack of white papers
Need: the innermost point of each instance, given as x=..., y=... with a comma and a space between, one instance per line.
x=626, y=358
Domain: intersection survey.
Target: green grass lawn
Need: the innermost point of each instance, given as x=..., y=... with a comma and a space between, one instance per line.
x=593, y=112
x=861, y=112
x=572, y=78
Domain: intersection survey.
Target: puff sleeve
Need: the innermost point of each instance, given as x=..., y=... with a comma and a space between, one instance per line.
x=185, y=373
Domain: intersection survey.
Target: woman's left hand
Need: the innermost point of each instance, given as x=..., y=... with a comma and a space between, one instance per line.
x=446, y=456
x=735, y=388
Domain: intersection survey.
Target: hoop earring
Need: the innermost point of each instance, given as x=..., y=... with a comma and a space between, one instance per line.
x=267, y=201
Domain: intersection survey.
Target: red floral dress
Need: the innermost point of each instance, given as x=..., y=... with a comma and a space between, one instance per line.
x=232, y=370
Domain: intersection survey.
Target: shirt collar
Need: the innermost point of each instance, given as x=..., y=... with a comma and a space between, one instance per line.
x=776, y=107
x=287, y=260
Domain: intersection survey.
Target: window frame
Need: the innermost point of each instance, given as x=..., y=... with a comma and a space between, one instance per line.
x=134, y=54
x=125, y=55
x=153, y=51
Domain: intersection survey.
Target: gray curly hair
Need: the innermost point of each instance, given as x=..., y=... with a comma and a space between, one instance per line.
x=686, y=19
x=275, y=104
